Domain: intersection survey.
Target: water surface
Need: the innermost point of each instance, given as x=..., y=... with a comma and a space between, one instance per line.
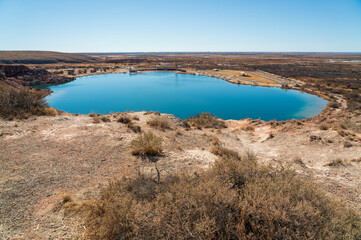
x=182, y=95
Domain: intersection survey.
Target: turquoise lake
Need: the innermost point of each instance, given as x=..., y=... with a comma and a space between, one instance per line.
x=183, y=95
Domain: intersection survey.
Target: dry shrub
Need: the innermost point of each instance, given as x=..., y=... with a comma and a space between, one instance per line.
x=96, y=120
x=125, y=119
x=348, y=124
x=347, y=144
x=91, y=115
x=234, y=199
x=20, y=103
x=323, y=127
x=147, y=144
x=151, y=112
x=223, y=152
x=249, y=128
x=50, y=111
x=135, y=128
x=205, y=120
x=105, y=119
x=159, y=122
x=336, y=163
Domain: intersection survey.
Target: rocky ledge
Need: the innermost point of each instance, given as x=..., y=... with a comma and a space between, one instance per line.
x=22, y=75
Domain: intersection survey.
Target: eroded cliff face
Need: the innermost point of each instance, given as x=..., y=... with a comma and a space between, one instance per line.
x=16, y=75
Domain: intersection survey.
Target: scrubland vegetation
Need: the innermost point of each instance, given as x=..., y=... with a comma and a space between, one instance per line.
x=22, y=103
x=234, y=199
x=205, y=120
x=159, y=122
x=147, y=144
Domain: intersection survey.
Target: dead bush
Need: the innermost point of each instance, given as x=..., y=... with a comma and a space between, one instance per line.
x=159, y=122
x=147, y=144
x=205, y=120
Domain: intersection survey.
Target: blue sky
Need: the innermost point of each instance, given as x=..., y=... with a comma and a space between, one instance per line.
x=188, y=25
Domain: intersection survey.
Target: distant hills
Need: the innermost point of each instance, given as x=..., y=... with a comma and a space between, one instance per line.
x=43, y=57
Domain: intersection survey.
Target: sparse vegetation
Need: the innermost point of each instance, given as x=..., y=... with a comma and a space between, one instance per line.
x=125, y=119
x=249, y=128
x=105, y=119
x=347, y=144
x=323, y=127
x=96, y=120
x=234, y=199
x=205, y=120
x=159, y=122
x=336, y=163
x=135, y=128
x=21, y=103
x=147, y=144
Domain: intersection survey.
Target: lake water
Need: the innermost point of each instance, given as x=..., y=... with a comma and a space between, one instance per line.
x=183, y=95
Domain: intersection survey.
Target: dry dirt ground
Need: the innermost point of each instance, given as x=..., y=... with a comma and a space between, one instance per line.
x=43, y=158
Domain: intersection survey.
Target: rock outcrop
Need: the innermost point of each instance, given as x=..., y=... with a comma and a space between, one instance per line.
x=25, y=76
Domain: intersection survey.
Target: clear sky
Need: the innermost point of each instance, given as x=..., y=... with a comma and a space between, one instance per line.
x=181, y=25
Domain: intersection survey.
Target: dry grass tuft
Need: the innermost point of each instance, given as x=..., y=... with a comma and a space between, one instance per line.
x=147, y=144
x=205, y=120
x=159, y=122
x=50, y=111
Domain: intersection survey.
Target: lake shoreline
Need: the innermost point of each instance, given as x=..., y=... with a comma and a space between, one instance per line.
x=339, y=99
x=189, y=95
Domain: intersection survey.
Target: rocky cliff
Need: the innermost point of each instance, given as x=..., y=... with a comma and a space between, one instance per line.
x=22, y=75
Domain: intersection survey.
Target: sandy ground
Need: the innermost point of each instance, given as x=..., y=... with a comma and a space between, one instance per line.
x=43, y=158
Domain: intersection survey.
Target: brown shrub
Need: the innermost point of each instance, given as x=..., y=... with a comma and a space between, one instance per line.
x=50, y=111
x=234, y=199
x=249, y=128
x=125, y=119
x=96, y=120
x=135, y=128
x=19, y=103
x=205, y=120
x=91, y=115
x=323, y=127
x=159, y=122
x=336, y=163
x=147, y=144
x=105, y=119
